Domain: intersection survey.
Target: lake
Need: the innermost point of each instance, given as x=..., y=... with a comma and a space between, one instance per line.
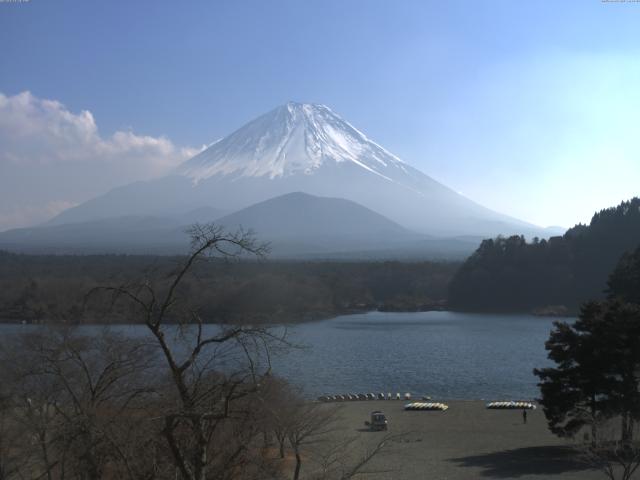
x=442, y=354
x=446, y=355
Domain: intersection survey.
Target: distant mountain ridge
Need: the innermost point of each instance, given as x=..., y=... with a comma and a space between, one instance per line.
x=297, y=226
x=303, y=148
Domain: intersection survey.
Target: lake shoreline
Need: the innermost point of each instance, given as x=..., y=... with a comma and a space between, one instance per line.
x=312, y=317
x=441, y=354
x=319, y=317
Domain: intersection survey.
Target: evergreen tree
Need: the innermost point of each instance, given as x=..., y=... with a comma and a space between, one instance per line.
x=510, y=274
x=575, y=393
x=624, y=282
x=597, y=372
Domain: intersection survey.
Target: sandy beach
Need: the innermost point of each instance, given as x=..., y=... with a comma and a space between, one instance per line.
x=467, y=441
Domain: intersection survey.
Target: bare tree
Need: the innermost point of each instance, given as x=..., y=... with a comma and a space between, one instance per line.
x=190, y=399
x=617, y=459
x=358, y=468
x=75, y=398
x=12, y=440
x=211, y=367
x=279, y=403
x=309, y=424
x=336, y=457
x=314, y=434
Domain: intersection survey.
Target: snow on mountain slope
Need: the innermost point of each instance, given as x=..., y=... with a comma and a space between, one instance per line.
x=303, y=148
x=292, y=139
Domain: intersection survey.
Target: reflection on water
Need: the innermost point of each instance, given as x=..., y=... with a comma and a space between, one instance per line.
x=441, y=354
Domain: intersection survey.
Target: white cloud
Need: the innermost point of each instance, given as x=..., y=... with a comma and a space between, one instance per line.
x=38, y=131
x=52, y=158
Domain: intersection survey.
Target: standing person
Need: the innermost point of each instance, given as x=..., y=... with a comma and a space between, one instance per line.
x=524, y=416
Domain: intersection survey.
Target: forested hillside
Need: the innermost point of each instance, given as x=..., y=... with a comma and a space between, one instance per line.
x=511, y=274
x=49, y=288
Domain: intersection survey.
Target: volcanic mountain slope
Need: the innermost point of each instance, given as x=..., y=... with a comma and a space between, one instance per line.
x=298, y=225
x=308, y=224
x=303, y=148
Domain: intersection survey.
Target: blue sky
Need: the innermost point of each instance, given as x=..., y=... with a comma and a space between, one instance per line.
x=530, y=108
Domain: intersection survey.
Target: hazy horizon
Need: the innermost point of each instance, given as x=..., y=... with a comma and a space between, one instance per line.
x=527, y=109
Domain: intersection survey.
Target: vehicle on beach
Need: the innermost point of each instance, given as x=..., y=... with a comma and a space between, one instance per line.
x=378, y=421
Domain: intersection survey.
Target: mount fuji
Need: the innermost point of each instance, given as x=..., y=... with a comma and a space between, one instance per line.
x=302, y=148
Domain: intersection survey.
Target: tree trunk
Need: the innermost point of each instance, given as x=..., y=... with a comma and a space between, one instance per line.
x=296, y=473
x=625, y=428
x=45, y=453
x=201, y=470
x=594, y=423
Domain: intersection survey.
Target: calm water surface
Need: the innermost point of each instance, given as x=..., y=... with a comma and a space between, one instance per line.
x=442, y=354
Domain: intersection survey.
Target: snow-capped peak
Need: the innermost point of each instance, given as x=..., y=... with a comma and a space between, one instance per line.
x=295, y=138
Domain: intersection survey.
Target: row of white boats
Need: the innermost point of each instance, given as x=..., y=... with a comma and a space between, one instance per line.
x=424, y=405
x=367, y=396
x=511, y=405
